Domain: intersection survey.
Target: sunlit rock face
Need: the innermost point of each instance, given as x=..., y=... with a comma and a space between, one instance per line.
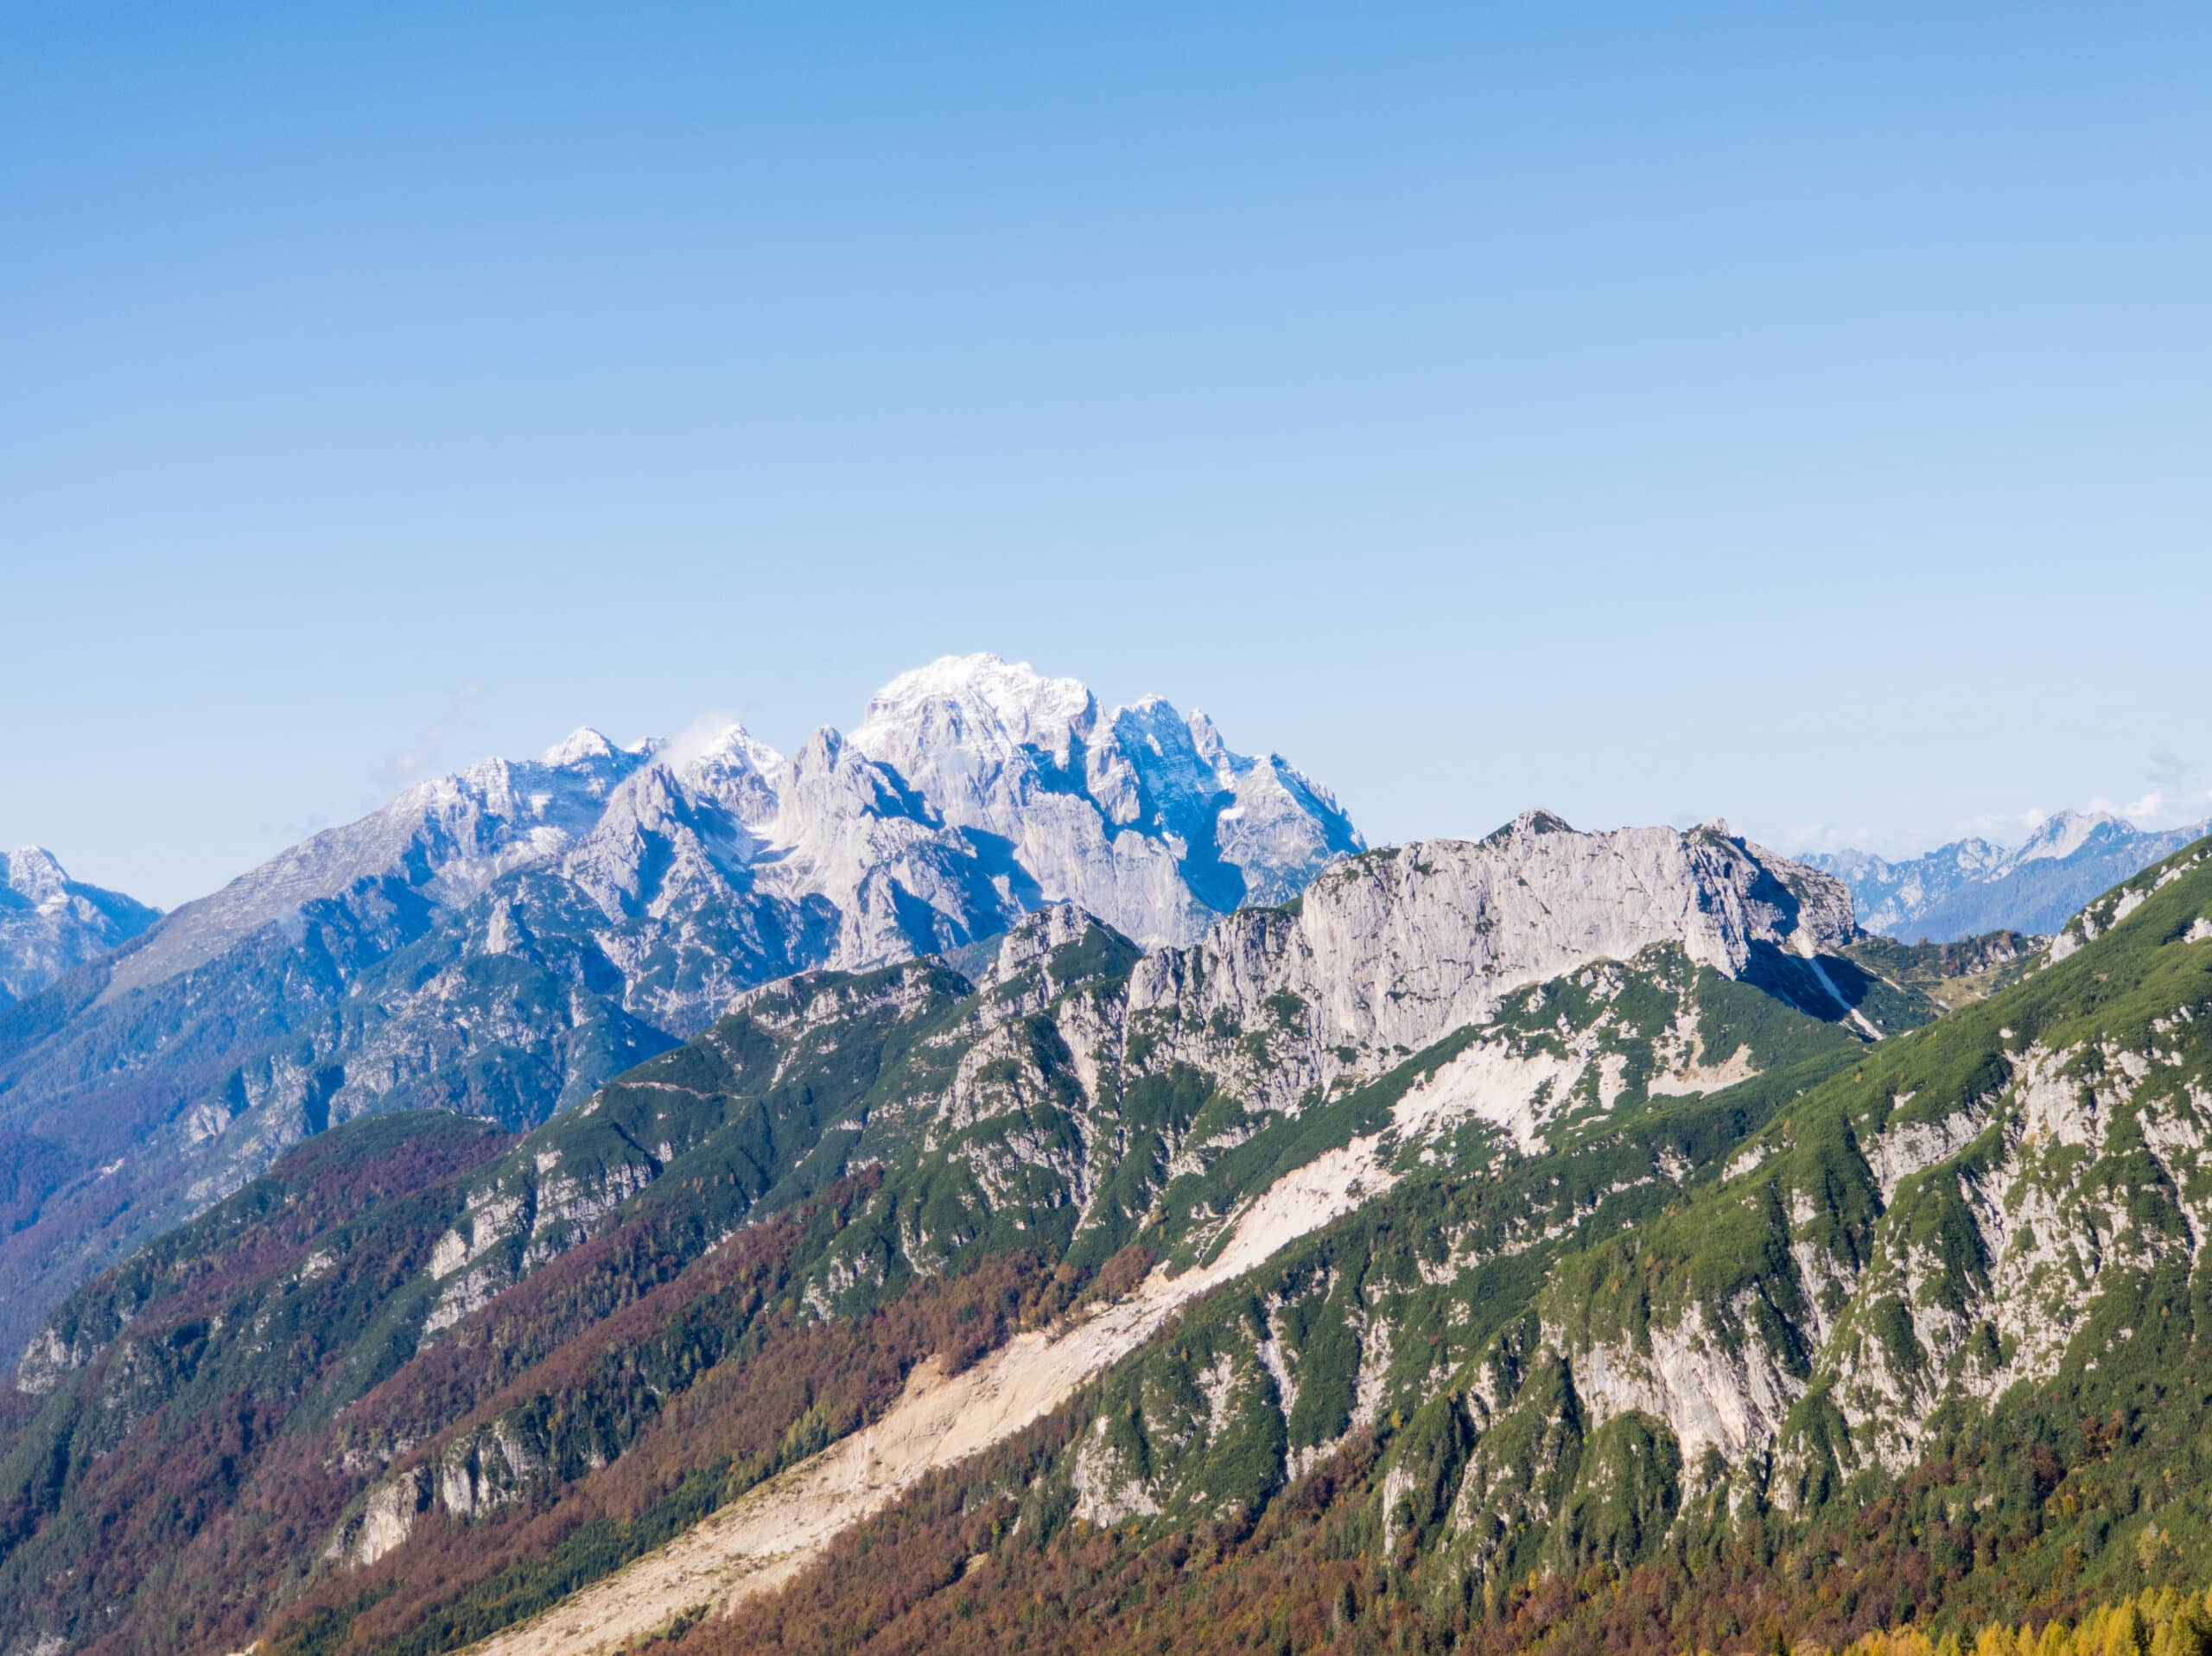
x=50, y=922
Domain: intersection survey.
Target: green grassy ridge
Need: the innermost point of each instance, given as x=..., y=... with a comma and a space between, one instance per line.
x=165, y=1365
x=1508, y=1221
x=2116, y=989
x=1725, y=1253
x=2088, y=1485
x=1954, y=973
x=1705, y=1246
x=733, y=1125
x=1358, y=1111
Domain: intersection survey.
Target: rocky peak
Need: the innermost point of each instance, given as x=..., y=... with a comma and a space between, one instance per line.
x=1533, y=821
x=2061, y=836
x=1970, y=886
x=49, y=923
x=973, y=788
x=1972, y=855
x=1050, y=950
x=977, y=704
x=32, y=874
x=742, y=776
x=1399, y=947
x=1206, y=740
x=582, y=745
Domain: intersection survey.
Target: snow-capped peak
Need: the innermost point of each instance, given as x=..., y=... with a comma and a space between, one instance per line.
x=2060, y=836
x=48, y=922
x=702, y=750
x=32, y=871
x=980, y=696
x=973, y=788
x=581, y=746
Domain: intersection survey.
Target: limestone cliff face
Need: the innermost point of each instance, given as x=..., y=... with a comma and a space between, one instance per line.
x=1390, y=952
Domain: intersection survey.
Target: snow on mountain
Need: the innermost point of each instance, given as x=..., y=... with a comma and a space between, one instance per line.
x=503, y=939
x=1139, y=815
x=582, y=745
x=973, y=790
x=2059, y=837
x=49, y=923
x=1971, y=886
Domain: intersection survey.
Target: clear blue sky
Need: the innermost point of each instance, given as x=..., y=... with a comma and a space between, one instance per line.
x=1798, y=414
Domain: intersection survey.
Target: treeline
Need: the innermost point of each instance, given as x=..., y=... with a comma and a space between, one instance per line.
x=980, y=1559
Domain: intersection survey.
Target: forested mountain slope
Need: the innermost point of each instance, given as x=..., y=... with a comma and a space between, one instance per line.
x=396, y=1412
x=1921, y=1344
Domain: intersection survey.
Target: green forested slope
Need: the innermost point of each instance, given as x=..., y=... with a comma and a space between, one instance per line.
x=399, y=1424
x=1925, y=1342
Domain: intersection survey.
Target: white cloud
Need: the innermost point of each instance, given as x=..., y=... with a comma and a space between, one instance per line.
x=2006, y=828
x=695, y=738
x=419, y=757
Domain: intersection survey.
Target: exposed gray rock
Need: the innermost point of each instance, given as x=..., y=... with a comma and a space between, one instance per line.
x=503, y=939
x=49, y=923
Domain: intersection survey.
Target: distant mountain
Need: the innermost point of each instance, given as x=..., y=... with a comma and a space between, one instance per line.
x=1970, y=886
x=502, y=941
x=50, y=922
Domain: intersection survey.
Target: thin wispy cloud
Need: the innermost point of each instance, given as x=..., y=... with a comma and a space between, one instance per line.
x=422, y=754
x=2173, y=800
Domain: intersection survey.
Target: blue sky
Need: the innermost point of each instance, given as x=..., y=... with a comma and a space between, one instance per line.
x=1789, y=413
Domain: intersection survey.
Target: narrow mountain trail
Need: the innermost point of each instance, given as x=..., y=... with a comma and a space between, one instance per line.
x=771, y=1533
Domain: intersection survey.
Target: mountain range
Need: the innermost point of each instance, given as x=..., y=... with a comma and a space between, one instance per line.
x=502, y=941
x=1076, y=1109
x=1971, y=886
x=1025, y=1175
